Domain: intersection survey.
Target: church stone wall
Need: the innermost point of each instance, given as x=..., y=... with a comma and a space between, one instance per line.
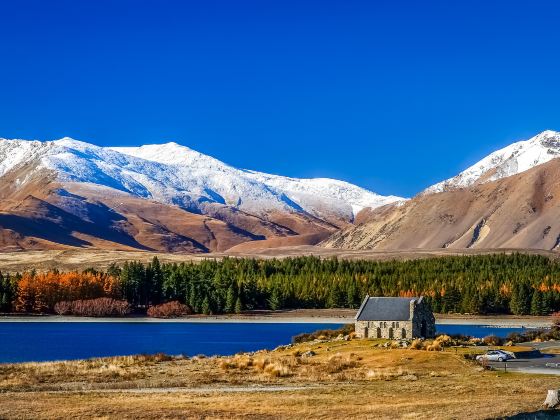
x=384, y=329
x=420, y=324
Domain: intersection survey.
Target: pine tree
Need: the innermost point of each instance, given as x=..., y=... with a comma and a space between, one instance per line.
x=520, y=303
x=352, y=297
x=435, y=302
x=334, y=299
x=230, y=300
x=206, y=310
x=275, y=301
x=194, y=298
x=155, y=282
x=238, y=306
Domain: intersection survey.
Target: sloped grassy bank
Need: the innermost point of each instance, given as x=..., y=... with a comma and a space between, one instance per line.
x=329, y=376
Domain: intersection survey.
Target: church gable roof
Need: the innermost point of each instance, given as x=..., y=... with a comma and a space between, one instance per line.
x=385, y=309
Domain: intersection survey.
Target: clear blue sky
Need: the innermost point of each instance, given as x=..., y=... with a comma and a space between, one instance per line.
x=390, y=95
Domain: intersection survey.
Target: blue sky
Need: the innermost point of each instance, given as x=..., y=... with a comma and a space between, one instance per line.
x=390, y=95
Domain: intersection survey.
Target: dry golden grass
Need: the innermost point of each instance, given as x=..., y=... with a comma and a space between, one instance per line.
x=352, y=379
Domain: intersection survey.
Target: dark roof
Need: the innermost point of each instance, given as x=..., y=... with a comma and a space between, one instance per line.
x=385, y=309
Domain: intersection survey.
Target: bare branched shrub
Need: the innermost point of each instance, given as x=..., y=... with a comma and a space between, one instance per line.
x=93, y=307
x=169, y=310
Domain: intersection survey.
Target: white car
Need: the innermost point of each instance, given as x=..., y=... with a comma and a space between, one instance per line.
x=494, y=356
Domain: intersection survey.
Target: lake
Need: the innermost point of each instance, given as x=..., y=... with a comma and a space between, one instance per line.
x=45, y=341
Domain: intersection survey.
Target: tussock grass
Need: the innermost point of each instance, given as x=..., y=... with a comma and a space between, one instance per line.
x=420, y=384
x=416, y=345
x=339, y=362
x=387, y=374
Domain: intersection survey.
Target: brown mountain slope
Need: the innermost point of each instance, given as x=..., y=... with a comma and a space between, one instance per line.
x=520, y=211
x=42, y=213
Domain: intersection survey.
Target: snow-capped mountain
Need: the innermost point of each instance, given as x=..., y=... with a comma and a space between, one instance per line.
x=256, y=191
x=510, y=199
x=174, y=174
x=511, y=160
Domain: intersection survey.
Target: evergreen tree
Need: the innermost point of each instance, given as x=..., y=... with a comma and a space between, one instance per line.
x=275, y=301
x=335, y=297
x=352, y=296
x=520, y=303
x=538, y=303
x=231, y=298
x=206, y=310
x=155, y=281
x=238, y=306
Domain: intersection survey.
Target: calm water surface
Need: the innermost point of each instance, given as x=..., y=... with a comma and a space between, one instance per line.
x=42, y=341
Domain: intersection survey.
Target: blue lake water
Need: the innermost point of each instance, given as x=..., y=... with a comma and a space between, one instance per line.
x=42, y=341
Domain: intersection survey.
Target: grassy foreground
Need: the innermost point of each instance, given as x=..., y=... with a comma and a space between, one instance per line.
x=343, y=379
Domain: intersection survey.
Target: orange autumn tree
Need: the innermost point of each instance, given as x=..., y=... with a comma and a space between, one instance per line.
x=40, y=292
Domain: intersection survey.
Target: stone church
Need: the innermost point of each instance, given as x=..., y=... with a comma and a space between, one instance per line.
x=394, y=318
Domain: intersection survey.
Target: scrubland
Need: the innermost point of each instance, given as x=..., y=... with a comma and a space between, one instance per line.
x=320, y=379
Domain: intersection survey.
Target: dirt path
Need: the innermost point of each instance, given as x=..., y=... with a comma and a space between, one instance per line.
x=179, y=390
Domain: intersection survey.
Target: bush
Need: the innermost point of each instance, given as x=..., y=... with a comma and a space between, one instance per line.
x=515, y=337
x=169, y=310
x=435, y=346
x=445, y=340
x=416, y=345
x=492, y=340
x=347, y=329
x=277, y=370
x=338, y=363
x=93, y=307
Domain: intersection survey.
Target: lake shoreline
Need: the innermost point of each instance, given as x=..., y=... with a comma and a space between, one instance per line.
x=303, y=316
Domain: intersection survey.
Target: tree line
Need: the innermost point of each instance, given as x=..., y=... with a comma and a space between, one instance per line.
x=517, y=283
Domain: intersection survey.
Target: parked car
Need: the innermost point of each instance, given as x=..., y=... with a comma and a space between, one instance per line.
x=494, y=356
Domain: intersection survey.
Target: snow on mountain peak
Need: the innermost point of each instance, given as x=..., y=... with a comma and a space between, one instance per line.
x=175, y=174
x=511, y=160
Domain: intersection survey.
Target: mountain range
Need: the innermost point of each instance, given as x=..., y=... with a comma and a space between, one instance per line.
x=164, y=197
x=167, y=197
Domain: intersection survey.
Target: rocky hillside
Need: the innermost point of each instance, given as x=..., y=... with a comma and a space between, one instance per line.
x=510, y=199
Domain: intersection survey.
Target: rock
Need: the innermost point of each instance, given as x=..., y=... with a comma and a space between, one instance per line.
x=309, y=353
x=552, y=398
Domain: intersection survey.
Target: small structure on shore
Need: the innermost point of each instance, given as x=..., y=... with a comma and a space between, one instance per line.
x=395, y=317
